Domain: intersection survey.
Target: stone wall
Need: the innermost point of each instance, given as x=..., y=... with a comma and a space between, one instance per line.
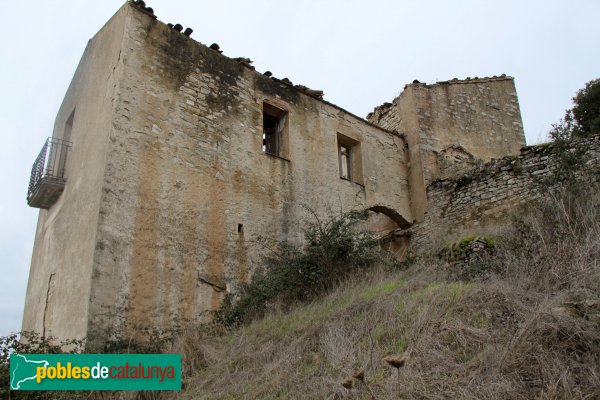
x=188, y=188
x=168, y=185
x=451, y=125
x=482, y=199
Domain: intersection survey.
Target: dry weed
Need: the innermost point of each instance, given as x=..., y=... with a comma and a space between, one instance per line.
x=531, y=330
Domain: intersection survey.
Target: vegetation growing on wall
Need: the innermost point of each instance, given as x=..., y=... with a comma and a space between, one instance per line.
x=581, y=121
x=530, y=329
x=332, y=249
x=523, y=321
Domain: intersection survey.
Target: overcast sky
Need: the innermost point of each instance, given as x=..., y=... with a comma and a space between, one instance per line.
x=361, y=53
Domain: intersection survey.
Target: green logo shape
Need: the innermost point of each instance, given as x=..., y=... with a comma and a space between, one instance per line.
x=95, y=372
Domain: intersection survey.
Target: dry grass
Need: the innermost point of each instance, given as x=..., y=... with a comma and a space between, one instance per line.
x=530, y=330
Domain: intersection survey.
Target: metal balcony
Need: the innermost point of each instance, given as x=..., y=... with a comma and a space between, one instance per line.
x=48, y=174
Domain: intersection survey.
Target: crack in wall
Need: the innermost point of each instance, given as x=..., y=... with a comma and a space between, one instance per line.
x=49, y=293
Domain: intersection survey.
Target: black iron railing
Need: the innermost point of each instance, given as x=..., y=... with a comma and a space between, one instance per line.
x=48, y=173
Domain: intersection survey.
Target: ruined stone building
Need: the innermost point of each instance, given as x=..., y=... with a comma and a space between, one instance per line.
x=168, y=157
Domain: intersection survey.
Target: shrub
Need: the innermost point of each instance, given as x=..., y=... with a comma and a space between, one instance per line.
x=148, y=340
x=583, y=120
x=332, y=249
x=530, y=330
x=31, y=343
x=152, y=340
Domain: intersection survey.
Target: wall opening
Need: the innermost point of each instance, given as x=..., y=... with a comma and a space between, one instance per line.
x=390, y=227
x=62, y=162
x=69, y=127
x=275, y=131
x=349, y=159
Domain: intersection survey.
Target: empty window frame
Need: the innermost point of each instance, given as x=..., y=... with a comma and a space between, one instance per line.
x=62, y=164
x=349, y=159
x=275, y=135
x=57, y=158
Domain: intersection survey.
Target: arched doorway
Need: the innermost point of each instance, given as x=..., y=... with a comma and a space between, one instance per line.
x=391, y=227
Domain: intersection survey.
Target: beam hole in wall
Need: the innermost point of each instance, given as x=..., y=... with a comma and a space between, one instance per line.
x=240, y=228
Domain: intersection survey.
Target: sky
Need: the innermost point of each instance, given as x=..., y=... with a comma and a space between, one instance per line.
x=360, y=53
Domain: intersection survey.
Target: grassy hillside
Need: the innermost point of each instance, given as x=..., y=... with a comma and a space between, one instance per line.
x=513, y=315
x=519, y=319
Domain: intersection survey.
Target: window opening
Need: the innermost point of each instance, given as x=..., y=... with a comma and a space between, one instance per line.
x=274, y=130
x=349, y=159
x=62, y=161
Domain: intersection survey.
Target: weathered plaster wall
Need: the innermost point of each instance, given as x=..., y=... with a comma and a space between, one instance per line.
x=60, y=275
x=483, y=198
x=455, y=123
x=188, y=188
x=168, y=187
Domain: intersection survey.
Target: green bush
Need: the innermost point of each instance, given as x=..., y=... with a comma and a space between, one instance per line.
x=153, y=340
x=148, y=340
x=332, y=249
x=583, y=120
x=32, y=343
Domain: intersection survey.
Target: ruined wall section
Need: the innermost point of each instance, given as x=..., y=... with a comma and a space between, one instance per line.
x=188, y=188
x=482, y=199
x=388, y=116
x=456, y=123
